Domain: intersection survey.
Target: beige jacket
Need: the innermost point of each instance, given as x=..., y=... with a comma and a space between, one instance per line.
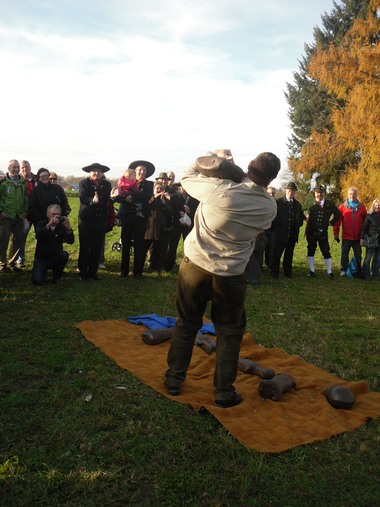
x=228, y=219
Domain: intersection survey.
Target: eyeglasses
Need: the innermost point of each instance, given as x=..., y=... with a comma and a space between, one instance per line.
x=53, y=179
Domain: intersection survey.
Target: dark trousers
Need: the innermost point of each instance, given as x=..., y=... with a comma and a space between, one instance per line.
x=347, y=244
x=195, y=287
x=91, y=237
x=313, y=241
x=269, y=250
x=10, y=230
x=132, y=228
x=374, y=255
x=287, y=249
x=154, y=247
x=175, y=236
x=56, y=262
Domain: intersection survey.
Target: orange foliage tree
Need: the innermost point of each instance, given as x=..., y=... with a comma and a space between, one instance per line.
x=349, y=72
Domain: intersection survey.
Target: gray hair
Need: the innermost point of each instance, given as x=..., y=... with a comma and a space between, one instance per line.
x=53, y=206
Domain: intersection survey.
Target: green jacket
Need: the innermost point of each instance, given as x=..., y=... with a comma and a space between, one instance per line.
x=13, y=198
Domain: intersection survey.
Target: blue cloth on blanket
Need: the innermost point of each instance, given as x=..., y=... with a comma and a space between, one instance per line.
x=154, y=321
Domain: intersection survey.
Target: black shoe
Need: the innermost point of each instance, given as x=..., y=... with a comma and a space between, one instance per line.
x=124, y=274
x=96, y=277
x=331, y=276
x=16, y=268
x=311, y=274
x=231, y=402
x=289, y=275
x=138, y=276
x=83, y=277
x=173, y=391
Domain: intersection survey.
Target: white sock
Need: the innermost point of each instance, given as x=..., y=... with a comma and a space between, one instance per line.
x=311, y=263
x=328, y=265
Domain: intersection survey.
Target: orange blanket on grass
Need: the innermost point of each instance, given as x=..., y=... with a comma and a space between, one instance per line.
x=300, y=417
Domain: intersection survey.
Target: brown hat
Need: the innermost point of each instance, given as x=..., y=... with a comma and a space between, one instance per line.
x=148, y=165
x=264, y=168
x=291, y=186
x=95, y=167
x=217, y=167
x=163, y=176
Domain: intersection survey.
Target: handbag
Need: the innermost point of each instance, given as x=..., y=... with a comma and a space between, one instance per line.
x=370, y=241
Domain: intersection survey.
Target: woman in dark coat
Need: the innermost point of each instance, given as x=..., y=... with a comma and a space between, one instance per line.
x=161, y=216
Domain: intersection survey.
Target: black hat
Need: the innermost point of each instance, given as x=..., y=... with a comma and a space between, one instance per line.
x=95, y=167
x=291, y=186
x=319, y=188
x=149, y=166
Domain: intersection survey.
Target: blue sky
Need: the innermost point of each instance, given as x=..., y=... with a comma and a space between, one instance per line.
x=113, y=81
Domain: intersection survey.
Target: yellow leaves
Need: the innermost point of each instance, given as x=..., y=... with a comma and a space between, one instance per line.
x=349, y=72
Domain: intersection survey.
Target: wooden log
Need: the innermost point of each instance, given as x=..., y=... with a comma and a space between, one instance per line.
x=274, y=388
x=249, y=366
x=205, y=343
x=339, y=397
x=156, y=336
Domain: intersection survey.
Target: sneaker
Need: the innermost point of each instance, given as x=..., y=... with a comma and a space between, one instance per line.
x=230, y=402
x=343, y=273
x=311, y=274
x=102, y=266
x=331, y=276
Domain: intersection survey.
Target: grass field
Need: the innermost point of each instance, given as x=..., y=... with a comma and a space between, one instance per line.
x=133, y=446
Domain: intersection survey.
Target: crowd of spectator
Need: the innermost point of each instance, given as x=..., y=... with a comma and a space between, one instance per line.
x=155, y=214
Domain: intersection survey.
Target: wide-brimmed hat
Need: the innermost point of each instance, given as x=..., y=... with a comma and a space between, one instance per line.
x=291, y=186
x=149, y=166
x=319, y=188
x=217, y=167
x=163, y=176
x=95, y=167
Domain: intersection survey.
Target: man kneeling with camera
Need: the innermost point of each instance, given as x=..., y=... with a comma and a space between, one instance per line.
x=51, y=233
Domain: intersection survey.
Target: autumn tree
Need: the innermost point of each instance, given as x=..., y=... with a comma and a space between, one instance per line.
x=310, y=106
x=351, y=73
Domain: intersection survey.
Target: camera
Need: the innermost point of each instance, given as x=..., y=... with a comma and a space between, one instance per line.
x=62, y=219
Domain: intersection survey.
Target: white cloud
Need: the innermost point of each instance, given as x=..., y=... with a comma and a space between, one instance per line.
x=167, y=80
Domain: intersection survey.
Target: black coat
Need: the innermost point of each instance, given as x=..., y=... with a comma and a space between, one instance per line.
x=319, y=219
x=282, y=225
x=50, y=241
x=43, y=196
x=142, y=197
x=88, y=211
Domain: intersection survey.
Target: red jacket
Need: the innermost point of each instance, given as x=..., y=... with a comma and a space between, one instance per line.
x=352, y=223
